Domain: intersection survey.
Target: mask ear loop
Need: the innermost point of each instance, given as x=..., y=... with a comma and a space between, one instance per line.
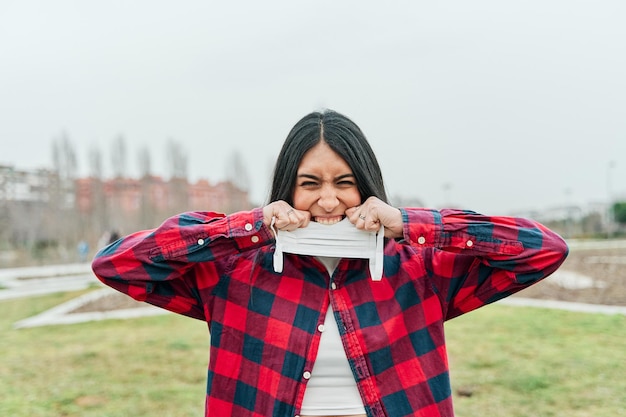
x=278, y=251
x=272, y=225
x=376, y=261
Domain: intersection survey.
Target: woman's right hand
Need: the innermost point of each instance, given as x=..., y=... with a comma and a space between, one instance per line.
x=286, y=217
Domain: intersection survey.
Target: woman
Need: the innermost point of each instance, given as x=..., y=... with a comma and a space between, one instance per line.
x=322, y=338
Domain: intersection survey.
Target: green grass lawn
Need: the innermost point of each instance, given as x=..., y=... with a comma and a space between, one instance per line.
x=505, y=361
x=512, y=361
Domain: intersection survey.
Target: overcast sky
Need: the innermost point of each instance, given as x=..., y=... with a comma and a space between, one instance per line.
x=495, y=106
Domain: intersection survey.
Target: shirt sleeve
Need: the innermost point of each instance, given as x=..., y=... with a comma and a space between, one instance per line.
x=172, y=265
x=475, y=260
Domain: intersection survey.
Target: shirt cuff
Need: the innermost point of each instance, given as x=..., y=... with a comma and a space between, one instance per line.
x=422, y=226
x=248, y=230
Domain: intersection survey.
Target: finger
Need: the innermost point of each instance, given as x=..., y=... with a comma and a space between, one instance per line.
x=281, y=216
x=305, y=218
x=276, y=210
x=353, y=214
x=372, y=225
x=284, y=223
x=350, y=211
x=368, y=220
x=291, y=219
x=360, y=219
x=287, y=217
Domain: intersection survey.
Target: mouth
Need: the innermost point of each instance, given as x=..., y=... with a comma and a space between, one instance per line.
x=328, y=220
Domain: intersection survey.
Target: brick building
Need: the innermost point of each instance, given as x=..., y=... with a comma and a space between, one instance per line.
x=37, y=208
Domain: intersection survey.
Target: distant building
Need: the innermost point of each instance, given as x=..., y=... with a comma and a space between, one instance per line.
x=28, y=201
x=36, y=206
x=28, y=185
x=130, y=203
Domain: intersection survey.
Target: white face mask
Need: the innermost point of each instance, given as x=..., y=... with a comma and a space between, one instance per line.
x=341, y=240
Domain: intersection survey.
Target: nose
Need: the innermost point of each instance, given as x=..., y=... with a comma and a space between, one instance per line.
x=328, y=198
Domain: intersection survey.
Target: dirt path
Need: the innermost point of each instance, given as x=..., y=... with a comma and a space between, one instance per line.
x=606, y=268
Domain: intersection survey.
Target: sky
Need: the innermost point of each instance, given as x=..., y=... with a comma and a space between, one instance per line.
x=492, y=106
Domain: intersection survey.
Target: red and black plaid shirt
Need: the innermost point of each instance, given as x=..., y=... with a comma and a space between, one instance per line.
x=264, y=325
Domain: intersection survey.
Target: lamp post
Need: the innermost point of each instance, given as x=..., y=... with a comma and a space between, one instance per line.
x=609, y=191
x=568, y=213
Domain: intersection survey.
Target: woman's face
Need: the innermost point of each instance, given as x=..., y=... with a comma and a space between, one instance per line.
x=325, y=185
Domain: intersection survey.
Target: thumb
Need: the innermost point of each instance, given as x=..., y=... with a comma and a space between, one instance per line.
x=351, y=210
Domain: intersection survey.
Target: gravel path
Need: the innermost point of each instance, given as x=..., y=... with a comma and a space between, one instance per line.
x=594, y=276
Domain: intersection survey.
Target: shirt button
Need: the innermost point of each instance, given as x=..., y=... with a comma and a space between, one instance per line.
x=421, y=240
x=333, y=286
x=469, y=243
x=306, y=375
x=200, y=242
x=254, y=239
x=248, y=227
x=320, y=327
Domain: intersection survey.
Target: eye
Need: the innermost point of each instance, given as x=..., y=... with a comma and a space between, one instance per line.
x=308, y=184
x=346, y=183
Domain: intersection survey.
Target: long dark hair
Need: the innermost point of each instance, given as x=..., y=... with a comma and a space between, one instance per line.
x=344, y=137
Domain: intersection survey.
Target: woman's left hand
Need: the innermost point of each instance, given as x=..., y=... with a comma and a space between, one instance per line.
x=373, y=213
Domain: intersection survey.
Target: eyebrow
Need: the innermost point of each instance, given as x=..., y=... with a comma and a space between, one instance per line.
x=314, y=177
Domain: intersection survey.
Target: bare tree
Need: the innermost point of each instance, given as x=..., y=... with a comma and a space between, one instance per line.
x=6, y=174
x=177, y=159
x=64, y=158
x=118, y=185
x=60, y=215
x=95, y=162
x=145, y=162
x=236, y=171
x=118, y=157
x=97, y=222
x=148, y=216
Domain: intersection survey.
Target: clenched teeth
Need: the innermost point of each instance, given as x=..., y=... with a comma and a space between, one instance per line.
x=328, y=220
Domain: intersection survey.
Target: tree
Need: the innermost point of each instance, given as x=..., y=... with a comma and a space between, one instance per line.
x=177, y=159
x=95, y=224
x=118, y=157
x=145, y=162
x=148, y=210
x=64, y=158
x=619, y=212
x=95, y=163
x=236, y=171
x=6, y=174
x=59, y=218
x=178, y=197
